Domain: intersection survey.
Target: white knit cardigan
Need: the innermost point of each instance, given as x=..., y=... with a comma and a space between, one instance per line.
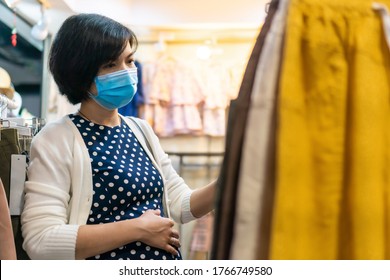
x=58, y=195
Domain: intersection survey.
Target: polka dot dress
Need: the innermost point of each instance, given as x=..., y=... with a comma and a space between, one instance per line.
x=125, y=183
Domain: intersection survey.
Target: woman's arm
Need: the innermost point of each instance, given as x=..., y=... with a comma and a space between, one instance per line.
x=202, y=200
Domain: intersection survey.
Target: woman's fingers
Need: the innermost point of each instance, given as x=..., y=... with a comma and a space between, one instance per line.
x=174, y=242
x=175, y=233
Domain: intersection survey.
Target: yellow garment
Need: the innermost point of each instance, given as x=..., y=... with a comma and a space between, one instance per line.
x=332, y=197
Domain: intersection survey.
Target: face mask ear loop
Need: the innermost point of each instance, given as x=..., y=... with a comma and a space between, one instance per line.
x=384, y=12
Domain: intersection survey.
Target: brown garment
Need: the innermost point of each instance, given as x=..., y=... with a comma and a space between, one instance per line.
x=7, y=245
x=228, y=179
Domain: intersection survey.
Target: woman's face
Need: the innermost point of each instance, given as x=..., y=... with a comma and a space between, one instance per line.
x=124, y=61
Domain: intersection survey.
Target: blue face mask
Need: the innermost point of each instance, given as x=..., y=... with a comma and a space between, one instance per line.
x=117, y=89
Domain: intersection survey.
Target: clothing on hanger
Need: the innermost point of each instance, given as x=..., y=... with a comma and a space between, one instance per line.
x=236, y=125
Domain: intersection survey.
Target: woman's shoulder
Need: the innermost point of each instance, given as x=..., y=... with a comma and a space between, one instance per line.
x=56, y=129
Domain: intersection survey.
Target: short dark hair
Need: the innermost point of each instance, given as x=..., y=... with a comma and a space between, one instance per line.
x=82, y=45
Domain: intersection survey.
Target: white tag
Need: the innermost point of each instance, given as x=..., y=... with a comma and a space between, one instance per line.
x=18, y=177
x=384, y=12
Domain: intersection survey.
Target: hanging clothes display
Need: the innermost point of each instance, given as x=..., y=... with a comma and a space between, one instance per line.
x=332, y=197
x=314, y=170
x=256, y=179
x=227, y=181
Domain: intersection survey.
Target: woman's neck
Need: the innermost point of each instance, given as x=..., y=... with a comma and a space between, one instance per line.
x=93, y=112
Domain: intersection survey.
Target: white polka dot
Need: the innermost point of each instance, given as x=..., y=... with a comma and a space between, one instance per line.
x=94, y=153
x=133, y=252
x=105, y=173
x=156, y=253
x=117, y=218
x=105, y=209
x=113, y=254
x=97, y=257
x=147, y=248
x=85, y=134
x=91, y=124
x=138, y=243
x=142, y=256
x=96, y=204
x=90, y=143
x=120, y=189
x=102, y=197
x=97, y=185
x=122, y=201
x=116, y=177
x=101, y=127
x=164, y=257
x=91, y=219
x=128, y=193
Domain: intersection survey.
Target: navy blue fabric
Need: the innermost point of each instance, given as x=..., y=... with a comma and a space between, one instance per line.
x=125, y=183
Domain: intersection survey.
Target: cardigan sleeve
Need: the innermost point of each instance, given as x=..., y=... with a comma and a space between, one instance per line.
x=45, y=228
x=179, y=193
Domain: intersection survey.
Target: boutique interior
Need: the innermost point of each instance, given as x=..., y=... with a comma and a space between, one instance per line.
x=294, y=167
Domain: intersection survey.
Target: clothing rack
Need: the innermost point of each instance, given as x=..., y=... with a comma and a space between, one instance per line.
x=182, y=155
x=5, y=103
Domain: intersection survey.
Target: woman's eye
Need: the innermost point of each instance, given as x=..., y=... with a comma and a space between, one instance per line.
x=109, y=65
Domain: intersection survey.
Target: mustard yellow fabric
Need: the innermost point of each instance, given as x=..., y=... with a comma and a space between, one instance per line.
x=332, y=197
